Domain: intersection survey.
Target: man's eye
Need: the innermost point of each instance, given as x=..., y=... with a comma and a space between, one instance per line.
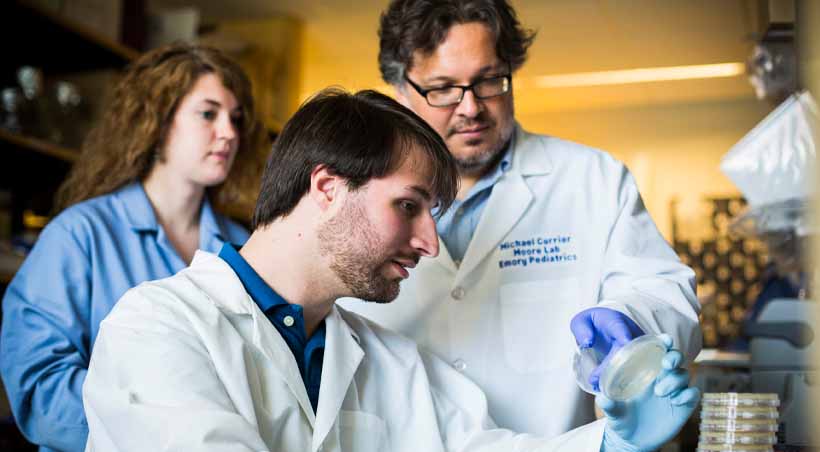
x=408, y=207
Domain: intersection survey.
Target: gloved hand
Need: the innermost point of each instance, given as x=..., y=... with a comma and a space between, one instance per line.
x=653, y=418
x=605, y=330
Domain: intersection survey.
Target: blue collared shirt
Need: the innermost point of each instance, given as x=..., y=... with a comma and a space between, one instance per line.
x=457, y=225
x=287, y=318
x=83, y=262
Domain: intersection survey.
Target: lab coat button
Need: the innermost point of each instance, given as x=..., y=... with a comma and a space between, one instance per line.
x=459, y=365
x=288, y=320
x=457, y=293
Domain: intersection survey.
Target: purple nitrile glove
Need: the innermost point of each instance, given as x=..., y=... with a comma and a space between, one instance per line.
x=606, y=331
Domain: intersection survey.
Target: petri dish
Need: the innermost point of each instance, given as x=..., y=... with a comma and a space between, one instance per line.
x=584, y=361
x=740, y=399
x=734, y=425
x=737, y=438
x=739, y=412
x=632, y=368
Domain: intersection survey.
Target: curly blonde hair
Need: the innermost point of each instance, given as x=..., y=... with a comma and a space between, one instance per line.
x=123, y=146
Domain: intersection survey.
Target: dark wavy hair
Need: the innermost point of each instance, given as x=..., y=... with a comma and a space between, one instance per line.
x=411, y=25
x=359, y=137
x=123, y=146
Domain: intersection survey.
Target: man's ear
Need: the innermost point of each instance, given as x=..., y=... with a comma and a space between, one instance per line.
x=325, y=186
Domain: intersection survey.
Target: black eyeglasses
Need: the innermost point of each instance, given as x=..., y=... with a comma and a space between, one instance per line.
x=450, y=95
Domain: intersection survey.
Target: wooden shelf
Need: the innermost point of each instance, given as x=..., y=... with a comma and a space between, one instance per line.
x=40, y=38
x=38, y=145
x=9, y=264
x=6, y=278
x=33, y=168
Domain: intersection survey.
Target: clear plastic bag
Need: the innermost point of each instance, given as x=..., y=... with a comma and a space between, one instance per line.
x=775, y=161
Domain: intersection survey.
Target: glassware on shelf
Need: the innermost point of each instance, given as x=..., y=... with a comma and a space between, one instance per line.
x=70, y=118
x=12, y=101
x=36, y=116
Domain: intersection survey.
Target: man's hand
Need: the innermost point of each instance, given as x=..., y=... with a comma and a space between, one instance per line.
x=605, y=330
x=653, y=418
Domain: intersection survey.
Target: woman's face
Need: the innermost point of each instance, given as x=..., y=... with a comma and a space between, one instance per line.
x=204, y=136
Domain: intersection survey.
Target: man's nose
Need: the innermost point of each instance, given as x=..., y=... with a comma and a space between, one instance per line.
x=425, y=238
x=470, y=106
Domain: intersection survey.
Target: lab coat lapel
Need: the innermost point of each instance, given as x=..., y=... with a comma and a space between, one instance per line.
x=510, y=198
x=275, y=349
x=441, y=264
x=216, y=278
x=508, y=202
x=443, y=259
x=342, y=357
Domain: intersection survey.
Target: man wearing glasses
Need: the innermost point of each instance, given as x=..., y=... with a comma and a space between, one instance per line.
x=548, y=243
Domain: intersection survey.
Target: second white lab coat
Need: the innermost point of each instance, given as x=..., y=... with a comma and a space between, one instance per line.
x=191, y=363
x=563, y=230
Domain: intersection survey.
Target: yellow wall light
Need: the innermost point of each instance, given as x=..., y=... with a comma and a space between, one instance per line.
x=642, y=75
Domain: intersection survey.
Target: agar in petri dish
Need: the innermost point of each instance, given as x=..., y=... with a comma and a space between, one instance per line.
x=633, y=368
x=629, y=371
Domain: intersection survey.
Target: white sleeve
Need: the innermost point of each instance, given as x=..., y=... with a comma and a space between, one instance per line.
x=643, y=278
x=466, y=426
x=151, y=386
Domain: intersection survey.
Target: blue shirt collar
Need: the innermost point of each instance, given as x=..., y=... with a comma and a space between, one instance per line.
x=140, y=213
x=137, y=208
x=503, y=166
x=261, y=293
x=488, y=180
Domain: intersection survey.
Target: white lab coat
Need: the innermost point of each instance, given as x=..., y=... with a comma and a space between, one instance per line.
x=506, y=324
x=191, y=363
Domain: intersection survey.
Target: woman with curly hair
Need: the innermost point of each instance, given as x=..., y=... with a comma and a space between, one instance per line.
x=179, y=136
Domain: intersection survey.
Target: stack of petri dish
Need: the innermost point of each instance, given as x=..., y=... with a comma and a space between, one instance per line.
x=738, y=422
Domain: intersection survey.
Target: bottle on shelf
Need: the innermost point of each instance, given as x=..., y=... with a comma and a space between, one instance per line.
x=36, y=112
x=71, y=119
x=12, y=102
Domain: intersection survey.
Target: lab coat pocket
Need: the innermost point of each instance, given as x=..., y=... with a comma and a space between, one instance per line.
x=535, y=318
x=360, y=431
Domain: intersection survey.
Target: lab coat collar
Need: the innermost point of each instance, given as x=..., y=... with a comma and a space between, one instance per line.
x=220, y=283
x=528, y=158
x=222, y=287
x=509, y=200
x=342, y=351
x=341, y=360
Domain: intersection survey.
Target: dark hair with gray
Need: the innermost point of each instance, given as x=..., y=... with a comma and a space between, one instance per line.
x=411, y=25
x=359, y=137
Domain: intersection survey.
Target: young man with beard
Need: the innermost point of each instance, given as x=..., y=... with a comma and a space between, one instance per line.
x=548, y=241
x=246, y=350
